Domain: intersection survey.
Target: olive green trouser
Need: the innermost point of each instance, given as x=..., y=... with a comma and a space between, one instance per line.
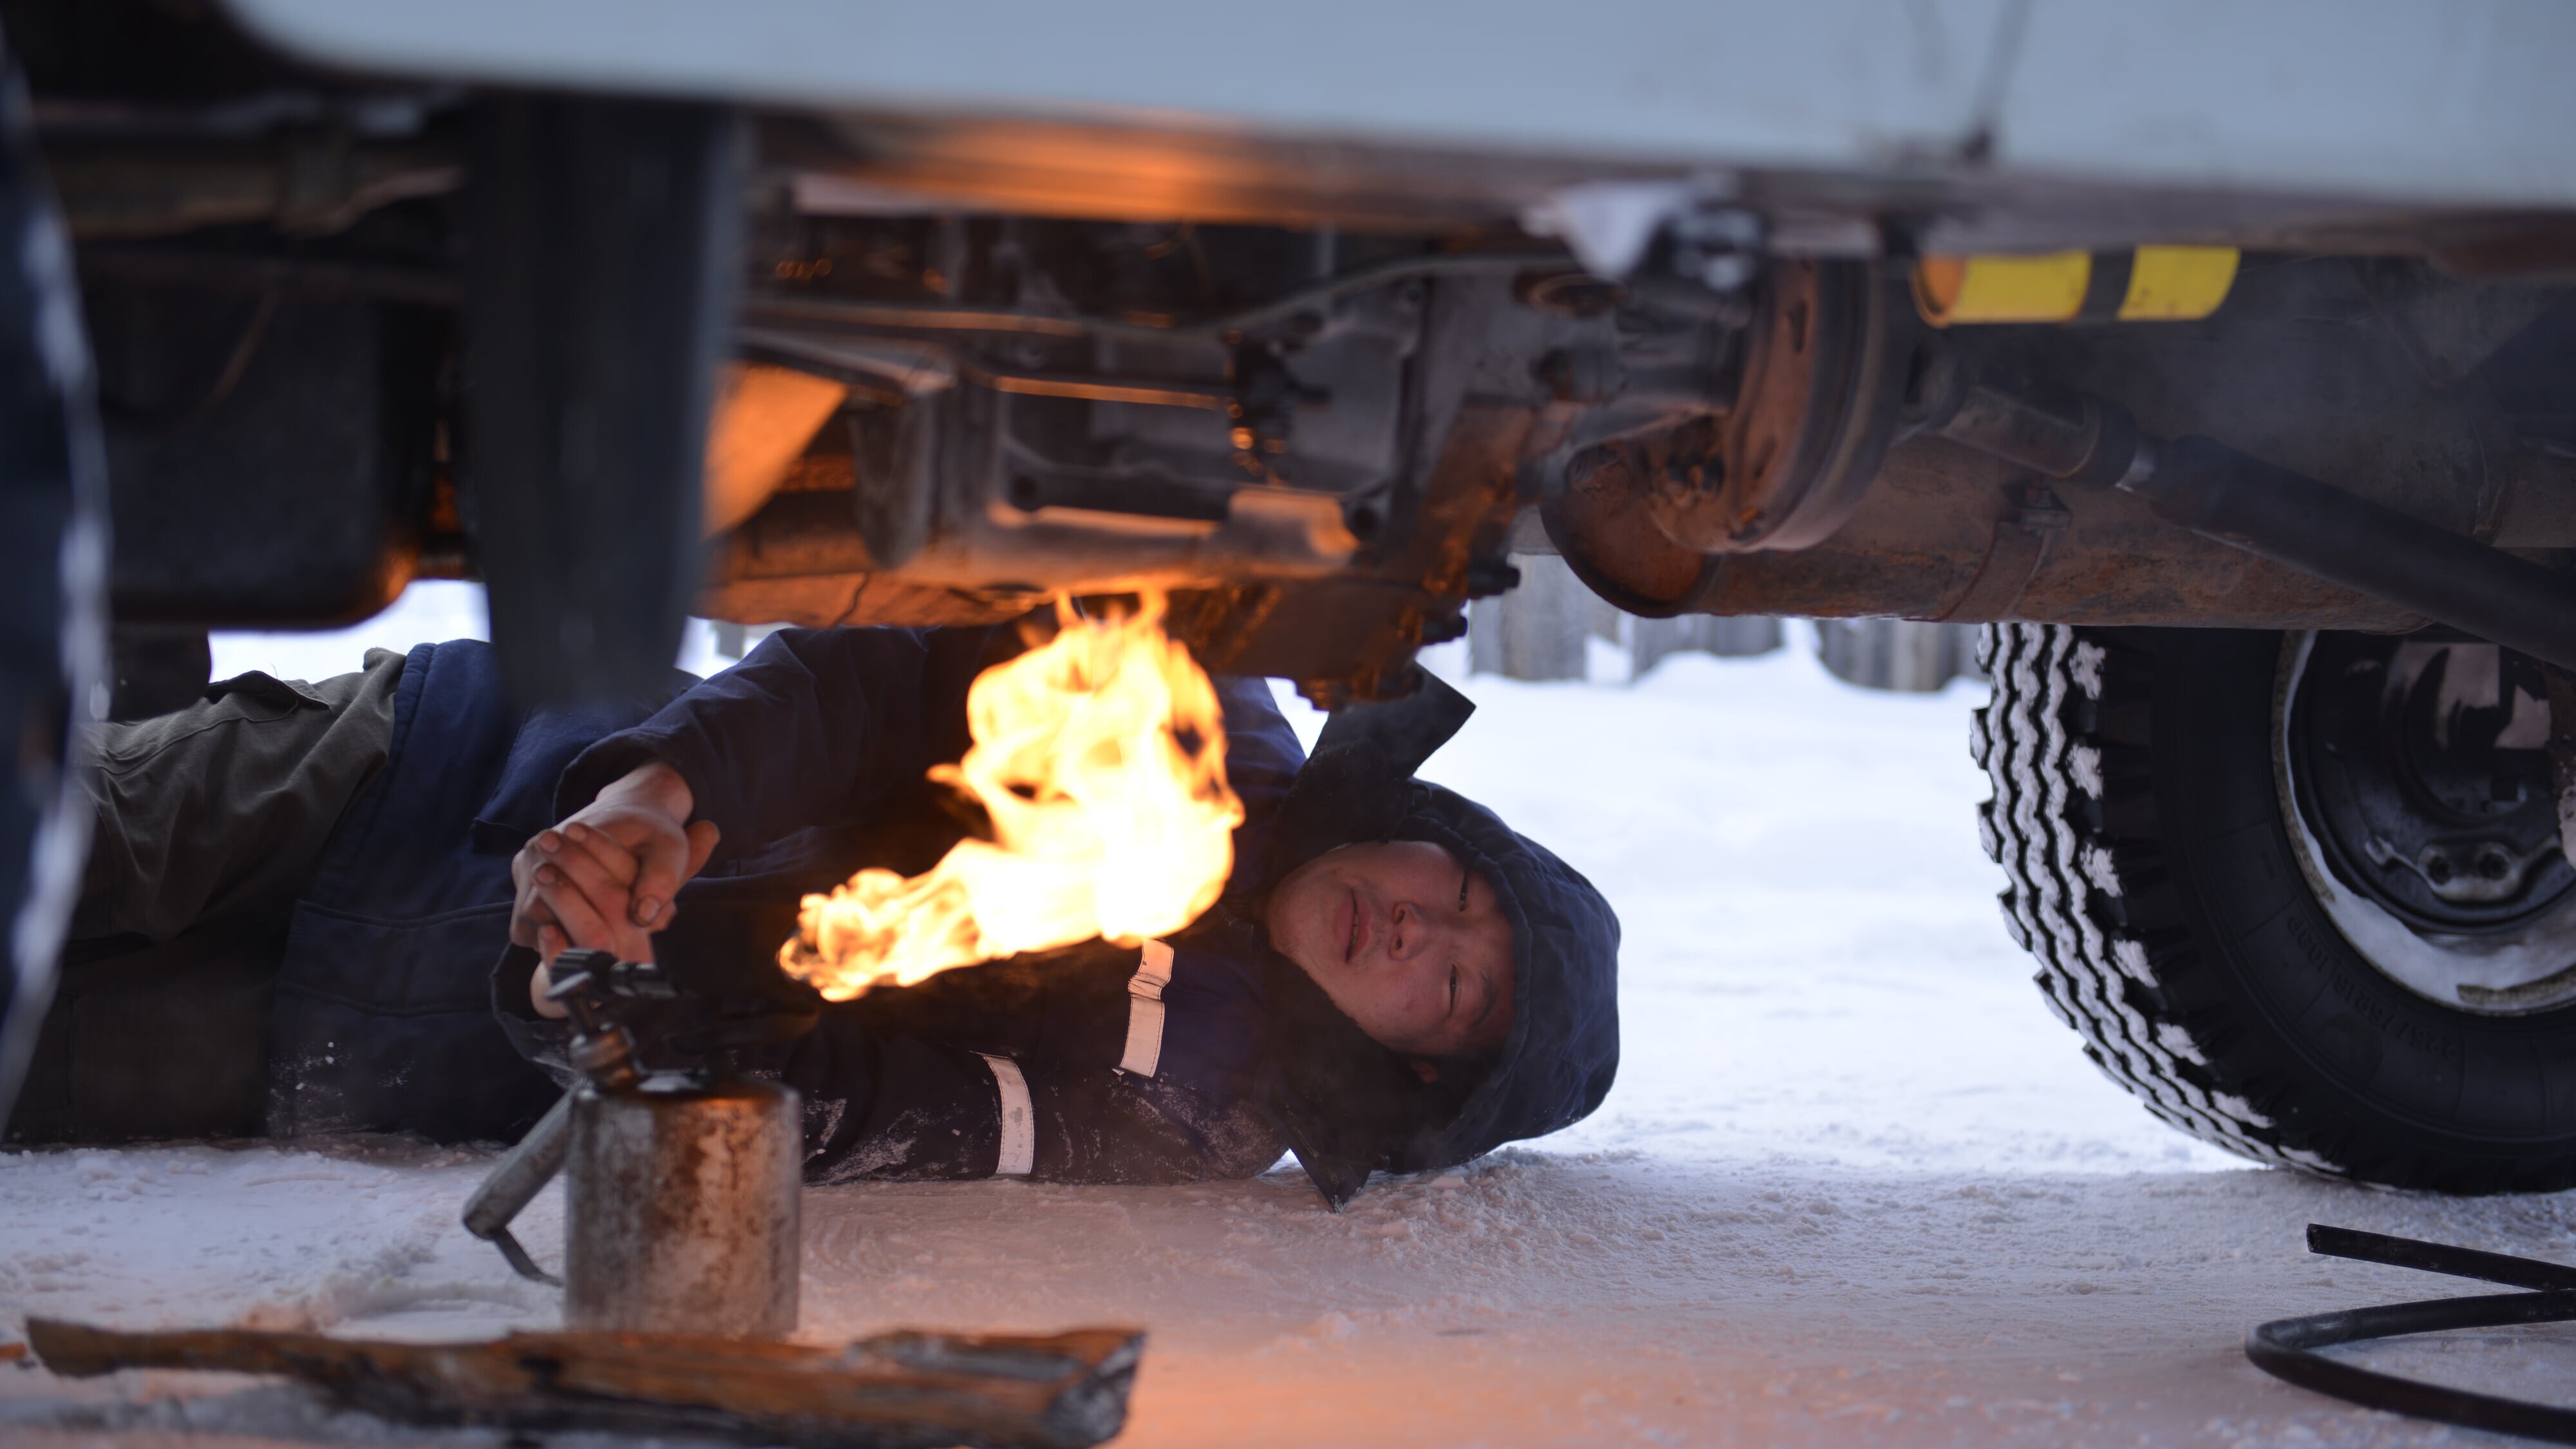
x=209, y=823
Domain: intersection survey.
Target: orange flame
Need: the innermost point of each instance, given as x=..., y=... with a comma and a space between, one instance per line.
x=1101, y=758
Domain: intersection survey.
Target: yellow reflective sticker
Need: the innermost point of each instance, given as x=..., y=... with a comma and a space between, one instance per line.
x=2178, y=284
x=2002, y=289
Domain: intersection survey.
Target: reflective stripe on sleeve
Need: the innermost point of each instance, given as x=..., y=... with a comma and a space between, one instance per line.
x=1145, y=1011
x=1019, y=1119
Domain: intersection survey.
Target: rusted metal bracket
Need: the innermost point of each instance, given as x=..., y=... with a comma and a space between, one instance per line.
x=2020, y=546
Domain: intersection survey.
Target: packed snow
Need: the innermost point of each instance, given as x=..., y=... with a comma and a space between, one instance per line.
x=1855, y=1185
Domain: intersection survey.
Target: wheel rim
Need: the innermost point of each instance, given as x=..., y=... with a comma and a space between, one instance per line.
x=2414, y=779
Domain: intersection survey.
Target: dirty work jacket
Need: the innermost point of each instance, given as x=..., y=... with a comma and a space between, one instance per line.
x=381, y=1018
x=810, y=757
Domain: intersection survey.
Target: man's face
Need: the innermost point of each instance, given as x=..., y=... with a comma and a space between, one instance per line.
x=1407, y=941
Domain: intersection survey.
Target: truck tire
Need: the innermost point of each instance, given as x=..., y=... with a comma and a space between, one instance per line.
x=53, y=584
x=2301, y=895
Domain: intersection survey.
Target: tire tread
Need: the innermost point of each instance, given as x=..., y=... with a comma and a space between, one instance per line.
x=2064, y=744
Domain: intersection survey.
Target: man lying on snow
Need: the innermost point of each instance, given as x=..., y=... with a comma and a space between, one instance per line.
x=297, y=892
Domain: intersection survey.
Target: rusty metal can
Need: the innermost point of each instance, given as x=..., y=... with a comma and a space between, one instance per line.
x=681, y=1210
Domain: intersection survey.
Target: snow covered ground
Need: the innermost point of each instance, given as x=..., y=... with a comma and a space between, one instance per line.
x=1855, y=1185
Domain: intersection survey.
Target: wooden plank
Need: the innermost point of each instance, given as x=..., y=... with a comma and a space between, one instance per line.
x=892, y=1391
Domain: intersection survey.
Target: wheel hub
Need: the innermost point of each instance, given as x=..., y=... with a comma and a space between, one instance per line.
x=2417, y=789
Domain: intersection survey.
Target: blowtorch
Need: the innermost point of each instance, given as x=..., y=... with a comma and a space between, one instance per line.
x=682, y=1176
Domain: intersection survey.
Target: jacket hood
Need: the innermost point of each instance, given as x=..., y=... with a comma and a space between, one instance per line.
x=1350, y=1105
x=1563, y=1050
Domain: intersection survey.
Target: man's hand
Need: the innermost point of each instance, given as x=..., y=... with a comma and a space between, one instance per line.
x=605, y=876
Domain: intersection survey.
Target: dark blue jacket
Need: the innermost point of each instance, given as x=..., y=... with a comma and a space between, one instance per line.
x=811, y=757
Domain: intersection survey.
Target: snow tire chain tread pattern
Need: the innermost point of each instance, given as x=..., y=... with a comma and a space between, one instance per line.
x=2098, y=976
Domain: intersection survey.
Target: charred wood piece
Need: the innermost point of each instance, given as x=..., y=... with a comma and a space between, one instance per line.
x=892, y=1391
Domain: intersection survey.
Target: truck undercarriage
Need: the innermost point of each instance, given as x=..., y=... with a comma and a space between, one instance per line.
x=1322, y=407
